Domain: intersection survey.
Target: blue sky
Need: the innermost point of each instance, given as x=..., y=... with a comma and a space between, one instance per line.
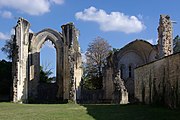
x=117, y=21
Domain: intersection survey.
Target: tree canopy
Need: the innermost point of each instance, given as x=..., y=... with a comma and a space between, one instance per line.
x=6, y=78
x=45, y=73
x=8, y=47
x=96, y=55
x=176, y=43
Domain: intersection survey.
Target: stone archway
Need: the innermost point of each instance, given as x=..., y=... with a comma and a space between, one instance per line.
x=26, y=61
x=34, y=58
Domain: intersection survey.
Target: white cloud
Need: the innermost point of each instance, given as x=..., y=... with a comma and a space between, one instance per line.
x=6, y=14
x=58, y=1
x=4, y=36
x=115, y=21
x=152, y=41
x=35, y=7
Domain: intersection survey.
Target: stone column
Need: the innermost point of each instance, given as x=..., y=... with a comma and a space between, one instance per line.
x=59, y=72
x=21, y=61
x=65, y=63
x=72, y=70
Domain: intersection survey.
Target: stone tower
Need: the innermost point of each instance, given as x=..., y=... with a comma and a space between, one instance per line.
x=165, y=40
x=19, y=60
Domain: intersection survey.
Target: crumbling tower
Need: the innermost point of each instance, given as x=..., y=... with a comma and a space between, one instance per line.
x=165, y=39
x=19, y=61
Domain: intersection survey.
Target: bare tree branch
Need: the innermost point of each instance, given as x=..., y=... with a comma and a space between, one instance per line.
x=96, y=55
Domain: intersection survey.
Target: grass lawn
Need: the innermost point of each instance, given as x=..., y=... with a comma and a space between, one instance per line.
x=11, y=111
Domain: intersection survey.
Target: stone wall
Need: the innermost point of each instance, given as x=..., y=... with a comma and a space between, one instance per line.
x=134, y=54
x=159, y=82
x=108, y=85
x=19, y=61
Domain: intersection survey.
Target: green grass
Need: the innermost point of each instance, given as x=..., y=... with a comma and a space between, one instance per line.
x=11, y=111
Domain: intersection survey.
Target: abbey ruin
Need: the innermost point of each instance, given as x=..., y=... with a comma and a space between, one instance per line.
x=138, y=72
x=159, y=81
x=150, y=72
x=26, y=62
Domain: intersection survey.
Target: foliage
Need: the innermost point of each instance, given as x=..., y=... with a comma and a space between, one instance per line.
x=6, y=81
x=10, y=111
x=115, y=49
x=8, y=48
x=45, y=74
x=6, y=77
x=176, y=43
x=96, y=55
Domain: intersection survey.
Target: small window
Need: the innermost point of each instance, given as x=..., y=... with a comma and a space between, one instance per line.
x=130, y=71
x=122, y=68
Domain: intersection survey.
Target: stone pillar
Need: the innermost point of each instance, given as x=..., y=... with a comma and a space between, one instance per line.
x=78, y=72
x=165, y=38
x=72, y=62
x=21, y=61
x=60, y=72
x=108, y=86
x=65, y=81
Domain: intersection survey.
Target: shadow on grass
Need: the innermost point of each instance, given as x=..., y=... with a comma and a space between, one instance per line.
x=131, y=112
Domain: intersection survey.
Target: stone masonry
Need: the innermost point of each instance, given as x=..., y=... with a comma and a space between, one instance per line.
x=125, y=60
x=159, y=82
x=165, y=40
x=137, y=66
x=120, y=89
x=26, y=61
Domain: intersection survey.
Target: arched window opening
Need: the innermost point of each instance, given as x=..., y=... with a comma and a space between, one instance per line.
x=48, y=63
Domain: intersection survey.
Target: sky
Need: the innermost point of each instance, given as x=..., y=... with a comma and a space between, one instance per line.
x=117, y=21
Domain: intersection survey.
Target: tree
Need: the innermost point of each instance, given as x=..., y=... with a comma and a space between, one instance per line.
x=8, y=48
x=6, y=79
x=45, y=73
x=96, y=55
x=176, y=44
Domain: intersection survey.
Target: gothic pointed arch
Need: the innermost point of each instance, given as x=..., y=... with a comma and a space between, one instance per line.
x=36, y=43
x=26, y=60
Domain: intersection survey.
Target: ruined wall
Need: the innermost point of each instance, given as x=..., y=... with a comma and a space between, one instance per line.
x=159, y=81
x=108, y=85
x=20, y=61
x=73, y=63
x=26, y=61
x=134, y=54
x=165, y=39
x=128, y=61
